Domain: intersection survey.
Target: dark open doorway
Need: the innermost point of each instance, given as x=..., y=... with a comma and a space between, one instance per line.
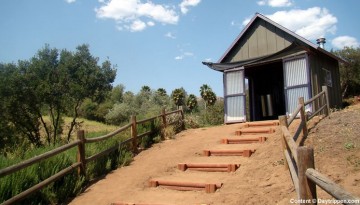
x=266, y=91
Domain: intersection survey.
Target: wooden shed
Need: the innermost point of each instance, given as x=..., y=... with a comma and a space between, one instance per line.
x=276, y=66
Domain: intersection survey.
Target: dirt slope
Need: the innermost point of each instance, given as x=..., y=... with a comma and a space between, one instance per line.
x=261, y=179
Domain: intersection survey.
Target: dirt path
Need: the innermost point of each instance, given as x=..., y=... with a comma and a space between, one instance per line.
x=261, y=179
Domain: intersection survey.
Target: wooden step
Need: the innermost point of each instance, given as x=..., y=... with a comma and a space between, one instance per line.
x=254, y=131
x=208, y=167
x=243, y=140
x=261, y=124
x=186, y=186
x=244, y=153
x=121, y=203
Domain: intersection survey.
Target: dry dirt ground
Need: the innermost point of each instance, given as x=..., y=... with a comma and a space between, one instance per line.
x=261, y=178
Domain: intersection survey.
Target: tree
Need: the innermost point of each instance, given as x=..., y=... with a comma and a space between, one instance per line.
x=52, y=84
x=178, y=96
x=208, y=95
x=350, y=71
x=84, y=79
x=191, y=102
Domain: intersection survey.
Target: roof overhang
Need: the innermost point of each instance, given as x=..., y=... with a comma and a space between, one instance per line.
x=292, y=50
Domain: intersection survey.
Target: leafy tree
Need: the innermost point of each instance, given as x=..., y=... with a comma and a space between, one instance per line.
x=117, y=93
x=178, y=96
x=208, y=95
x=54, y=84
x=161, y=98
x=349, y=72
x=191, y=102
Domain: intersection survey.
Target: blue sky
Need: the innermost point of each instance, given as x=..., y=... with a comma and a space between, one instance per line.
x=161, y=43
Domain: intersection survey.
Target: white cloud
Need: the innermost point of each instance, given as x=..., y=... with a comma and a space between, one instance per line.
x=179, y=57
x=170, y=35
x=187, y=3
x=311, y=23
x=345, y=41
x=184, y=55
x=275, y=3
x=70, y=1
x=132, y=14
x=137, y=25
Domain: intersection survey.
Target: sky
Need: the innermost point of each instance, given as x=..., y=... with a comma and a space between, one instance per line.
x=161, y=43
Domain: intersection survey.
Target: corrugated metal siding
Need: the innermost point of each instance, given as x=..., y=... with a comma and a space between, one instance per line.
x=235, y=109
x=297, y=83
x=293, y=96
x=234, y=83
x=296, y=72
x=234, y=96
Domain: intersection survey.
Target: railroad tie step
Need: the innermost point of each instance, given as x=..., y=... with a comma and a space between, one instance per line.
x=254, y=131
x=121, y=203
x=262, y=124
x=244, y=153
x=186, y=186
x=243, y=140
x=208, y=167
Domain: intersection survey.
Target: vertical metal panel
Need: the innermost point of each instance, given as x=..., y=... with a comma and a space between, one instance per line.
x=235, y=109
x=296, y=72
x=296, y=82
x=234, y=83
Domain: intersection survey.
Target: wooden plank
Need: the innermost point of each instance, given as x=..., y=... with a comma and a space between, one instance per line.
x=329, y=186
x=292, y=169
x=31, y=161
x=290, y=142
x=41, y=185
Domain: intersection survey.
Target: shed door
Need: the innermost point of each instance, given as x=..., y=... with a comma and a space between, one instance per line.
x=234, y=95
x=297, y=82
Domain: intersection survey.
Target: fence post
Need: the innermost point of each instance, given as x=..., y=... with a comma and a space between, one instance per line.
x=81, y=152
x=134, y=133
x=327, y=112
x=303, y=117
x=307, y=188
x=182, y=118
x=164, y=124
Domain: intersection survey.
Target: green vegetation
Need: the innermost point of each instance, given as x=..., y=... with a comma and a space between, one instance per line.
x=44, y=100
x=350, y=71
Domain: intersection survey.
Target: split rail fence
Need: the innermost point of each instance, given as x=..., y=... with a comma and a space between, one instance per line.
x=82, y=160
x=299, y=159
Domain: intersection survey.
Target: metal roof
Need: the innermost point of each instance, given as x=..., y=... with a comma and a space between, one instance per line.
x=302, y=39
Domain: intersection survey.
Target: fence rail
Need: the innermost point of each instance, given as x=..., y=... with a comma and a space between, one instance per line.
x=82, y=160
x=299, y=160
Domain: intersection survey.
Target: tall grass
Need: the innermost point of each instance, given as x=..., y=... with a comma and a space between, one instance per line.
x=72, y=184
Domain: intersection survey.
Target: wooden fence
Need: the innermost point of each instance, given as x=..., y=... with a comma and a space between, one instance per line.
x=299, y=159
x=82, y=160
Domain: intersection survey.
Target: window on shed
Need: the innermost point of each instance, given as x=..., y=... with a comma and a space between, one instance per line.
x=328, y=78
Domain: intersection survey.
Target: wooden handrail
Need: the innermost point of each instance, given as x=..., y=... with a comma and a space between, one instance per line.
x=26, y=163
x=330, y=187
x=80, y=156
x=40, y=185
x=294, y=114
x=291, y=144
x=314, y=98
x=111, y=134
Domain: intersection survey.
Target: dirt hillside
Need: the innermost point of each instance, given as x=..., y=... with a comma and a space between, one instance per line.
x=261, y=178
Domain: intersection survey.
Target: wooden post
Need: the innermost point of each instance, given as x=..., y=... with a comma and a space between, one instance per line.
x=81, y=153
x=182, y=118
x=327, y=112
x=307, y=188
x=303, y=117
x=134, y=134
x=164, y=123
x=283, y=122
